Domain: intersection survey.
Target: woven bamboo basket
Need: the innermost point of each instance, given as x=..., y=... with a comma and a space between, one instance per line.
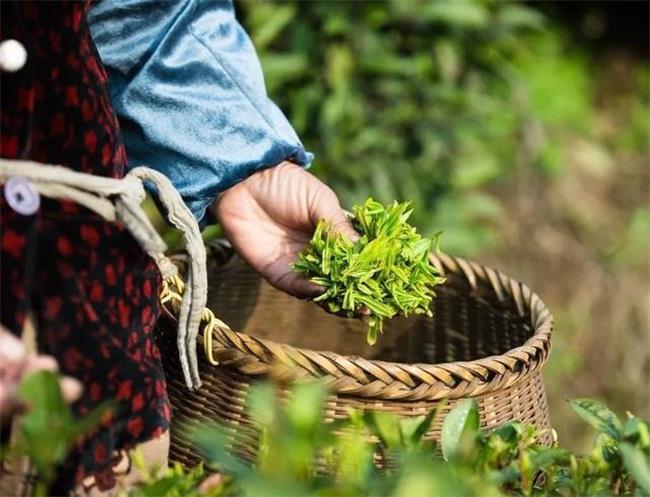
x=488, y=339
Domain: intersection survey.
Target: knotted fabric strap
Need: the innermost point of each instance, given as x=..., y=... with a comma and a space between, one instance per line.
x=120, y=200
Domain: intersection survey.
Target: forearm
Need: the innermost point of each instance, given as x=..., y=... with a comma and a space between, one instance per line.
x=188, y=89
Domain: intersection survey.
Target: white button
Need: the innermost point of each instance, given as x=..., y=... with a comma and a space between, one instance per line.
x=22, y=196
x=12, y=56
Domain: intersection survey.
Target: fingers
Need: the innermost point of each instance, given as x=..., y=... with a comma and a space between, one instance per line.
x=303, y=288
x=297, y=285
x=12, y=349
x=361, y=313
x=325, y=205
x=281, y=275
x=71, y=388
x=12, y=365
x=15, y=364
x=41, y=362
x=341, y=224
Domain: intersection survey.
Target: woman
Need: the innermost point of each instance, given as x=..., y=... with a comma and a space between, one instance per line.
x=189, y=93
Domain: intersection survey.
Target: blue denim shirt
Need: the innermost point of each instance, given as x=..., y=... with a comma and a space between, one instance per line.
x=188, y=88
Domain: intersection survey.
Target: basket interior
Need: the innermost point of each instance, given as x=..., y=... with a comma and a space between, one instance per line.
x=466, y=325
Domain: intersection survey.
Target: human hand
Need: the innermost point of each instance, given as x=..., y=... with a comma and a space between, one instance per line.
x=270, y=217
x=15, y=364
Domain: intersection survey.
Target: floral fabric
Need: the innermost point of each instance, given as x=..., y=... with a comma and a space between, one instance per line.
x=92, y=290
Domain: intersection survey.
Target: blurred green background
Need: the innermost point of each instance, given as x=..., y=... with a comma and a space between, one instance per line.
x=519, y=129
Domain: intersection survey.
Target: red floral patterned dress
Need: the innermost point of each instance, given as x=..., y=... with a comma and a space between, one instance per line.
x=92, y=290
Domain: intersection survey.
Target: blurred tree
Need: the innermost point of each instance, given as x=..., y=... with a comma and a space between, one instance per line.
x=424, y=101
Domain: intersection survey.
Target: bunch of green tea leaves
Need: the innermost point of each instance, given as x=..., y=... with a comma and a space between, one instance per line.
x=386, y=271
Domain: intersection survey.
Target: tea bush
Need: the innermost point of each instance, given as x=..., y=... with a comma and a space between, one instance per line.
x=507, y=460
x=48, y=429
x=299, y=455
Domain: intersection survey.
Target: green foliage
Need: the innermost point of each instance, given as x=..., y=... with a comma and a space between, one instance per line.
x=462, y=422
x=598, y=416
x=340, y=458
x=386, y=271
x=399, y=434
x=431, y=102
x=176, y=481
x=291, y=439
x=299, y=455
x=634, y=134
x=637, y=463
x=49, y=429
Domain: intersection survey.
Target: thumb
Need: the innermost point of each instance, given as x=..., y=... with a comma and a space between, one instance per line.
x=341, y=224
x=329, y=209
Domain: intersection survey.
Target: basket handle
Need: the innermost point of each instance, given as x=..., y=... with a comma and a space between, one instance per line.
x=173, y=289
x=171, y=298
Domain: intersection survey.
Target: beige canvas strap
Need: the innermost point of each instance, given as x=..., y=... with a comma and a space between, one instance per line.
x=120, y=200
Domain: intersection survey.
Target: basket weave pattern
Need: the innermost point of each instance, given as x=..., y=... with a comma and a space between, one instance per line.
x=488, y=339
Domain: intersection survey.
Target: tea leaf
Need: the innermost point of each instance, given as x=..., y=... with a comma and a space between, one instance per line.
x=463, y=420
x=386, y=271
x=598, y=416
x=49, y=428
x=424, y=424
x=637, y=463
x=386, y=426
x=637, y=430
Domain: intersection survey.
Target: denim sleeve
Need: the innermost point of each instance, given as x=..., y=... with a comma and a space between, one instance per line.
x=188, y=88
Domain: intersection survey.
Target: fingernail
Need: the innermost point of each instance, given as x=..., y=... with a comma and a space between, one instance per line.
x=348, y=231
x=354, y=236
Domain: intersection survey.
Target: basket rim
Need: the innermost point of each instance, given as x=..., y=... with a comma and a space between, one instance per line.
x=380, y=379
